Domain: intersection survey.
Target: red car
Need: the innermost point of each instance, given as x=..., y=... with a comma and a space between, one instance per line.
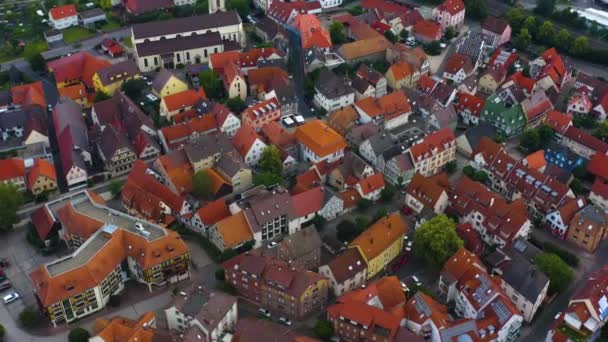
x=397, y=265
x=406, y=210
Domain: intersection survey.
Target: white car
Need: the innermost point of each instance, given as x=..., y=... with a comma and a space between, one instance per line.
x=11, y=297
x=442, y=45
x=272, y=244
x=404, y=287
x=152, y=97
x=408, y=246
x=557, y=315
x=264, y=312
x=416, y=281
x=284, y=321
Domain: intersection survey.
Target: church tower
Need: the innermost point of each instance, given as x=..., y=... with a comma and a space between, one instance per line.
x=217, y=5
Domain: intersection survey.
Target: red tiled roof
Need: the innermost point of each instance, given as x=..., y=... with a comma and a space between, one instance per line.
x=600, y=188
x=244, y=139
x=320, y=138
x=61, y=12
x=536, y=160
x=79, y=66
x=472, y=103
x=43, y=221
x=41, y=168
x=553, y=58
x=598, y=165
x=428, y=190
x=586, y=139
x=372, y=183
x=282, y=10
x=559, y=121
x=308, y=202
x=213, y=212
x=262, y=109
x=427, y=84
x=277, y=135
x=428, y=29
x=184, y=99
x=11, y=168
x=459, y=61
x=28, y=94
x=452, y=6
x=312, y=33
x=439, y=140
x=366, y=315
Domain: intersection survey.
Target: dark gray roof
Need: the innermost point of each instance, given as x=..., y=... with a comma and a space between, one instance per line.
x=472, y=46
x=230, y=164
x=92, y=13
x=187, y=24
x=111, y=141
x=446, y=116
x=360, y=85
x=159, y=47
x=594, y=213
x=475, y=133
x=68, y=113
x=380, y=142
x=521, y=273
x=268, y=26
x=208, y=308
x=121, y=110
x=208, y=145
x=333, y=86
x=267, y=205
x=442, y=93
x=124, y=69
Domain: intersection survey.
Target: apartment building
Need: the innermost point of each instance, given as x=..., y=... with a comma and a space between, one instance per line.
x=346, y=272
x=588, y=227
x=119, y=248
x=276, y=286
x=319, y=142
x=434, y=151
x=427, y=192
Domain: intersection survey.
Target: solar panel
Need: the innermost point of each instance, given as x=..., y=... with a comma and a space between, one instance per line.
x=520, y=246
x=483, y=292
x=421, y=306
x=501, y=311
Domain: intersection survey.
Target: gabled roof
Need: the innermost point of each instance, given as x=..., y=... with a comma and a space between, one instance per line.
x=64, y=11
x=244, y=139
x=495, y=24
x=320, y=138
x=234, y=230
x=559, y=121
x=28, y=94
x=427, y=29
x=536, y=105
x=428, y=190
x=161, y=79
x=380, y=235
x=400, y=70
x=312, y=33
x=364, y=48
x=439, y=140
x=459, y=62
x=451, y=6
x=41, y=168
x=184, y=99
x=598, y=165
x=342, y=119
x=11, y=168
x=43, y=221
x=346, y=265
x=117, y=72
x=79, y=66
x=470, y=103
x=586, y=139
x=308, y=202
x=372, y=183
x=366, y=315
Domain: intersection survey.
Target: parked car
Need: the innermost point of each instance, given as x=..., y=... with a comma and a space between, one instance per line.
x=284, y=321
x=408, y=246
x=5, y=285
x=404, y=287
x=416, y=281
x=11, y=297
x=272, y=244
x=406, y=210
x=264, y=312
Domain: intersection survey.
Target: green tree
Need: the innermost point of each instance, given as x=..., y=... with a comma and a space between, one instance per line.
x=391, y=36
x=577, y=186
x=545, y=7
x=364, y=204
x=388, y=193
x=433, y=48
x=101, y=96
x=212, y=84
x=115, y=187
x=29, y=317
x=530, y=24
x=319, y=222
x=515, y=16
x=270, y=160
x=404, y=34
x=37, y=62
x=2, y=332
x=201, y=7
x=361, y=223
x=400, y=182
x=563, y=40
x=546, y=33
x=523, y=39
x=580, y=172
x=201, y=184
x=241, y=6
x=601, y=132
x=476, y=9
x=530, y=140
x=546, y=134
x=336, y=31
x=346, y=231
x=436, y=240
x=559, y=273
x=79, y=334
x=236, y=104
x=580, y=46
x=134, y=88
x=450, y=33
x=451, y=167
x=267, y=179
x=11, y=199
x=324, y=329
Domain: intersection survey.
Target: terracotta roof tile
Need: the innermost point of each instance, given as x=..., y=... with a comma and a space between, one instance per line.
x=312, y=33
x=74, y=92
x=11, y=168
x=439, y=140
x=320, y=138
x=234, y=230
x=428, y=190
x=61, y=12
x=28, y=94
x=452, y=6
x=364, y=48
x=41, y=168
x=380, y=235
x=213, y=212
x=184, y=99
x=400, y=70
x=586, y=139
x=598, y=165
x=43, y=221
x=372, y=183
x=428, y=29
x=244, y=139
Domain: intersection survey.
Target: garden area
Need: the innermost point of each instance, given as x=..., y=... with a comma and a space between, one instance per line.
x=76, y=33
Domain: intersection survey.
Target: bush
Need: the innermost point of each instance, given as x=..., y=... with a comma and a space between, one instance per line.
x=451, y=167
x=558, y=272
x=29, y=317
x=115, y=301
x=324, y=329
x=388, y=193
x=2, y=332
x=225, y=287
x=364, y=204
x=79, y=335
x=566, y=256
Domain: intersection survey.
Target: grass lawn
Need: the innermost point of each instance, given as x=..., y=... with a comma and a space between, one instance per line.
x=111, y=25
x=127, y=41
x=75, y=34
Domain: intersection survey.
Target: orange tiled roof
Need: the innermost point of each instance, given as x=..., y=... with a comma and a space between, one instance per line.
x=536, y=160
x=64, y=11
x=244, y=138
x=213, y=212
x=312, y=33
x=343, y=119
x=380, y=235
x=436, y=140
x=74, y=92
x=364, y=48
x=460, y=262
x=121, y=329
x=372, y=183
x=41, y=168
x=28, y=94
x=184, y=99
x=234, y=230
x=320, y=138
x=401, y=70
x=178, y=169
x=428, y=29
x=452, y=6
x=11, y=168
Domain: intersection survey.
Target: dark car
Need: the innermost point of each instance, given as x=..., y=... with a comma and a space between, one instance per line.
x=406, y=210
x=5, y=285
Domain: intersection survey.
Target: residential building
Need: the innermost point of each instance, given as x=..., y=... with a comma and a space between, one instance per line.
x=467, y=142
x=213, y=33
x=342, y=120
x=599, y=193
x=498, y=27
x=92, y=16
x=560, y=122
x=450, y=14
x=116, y=152
x=209, y=214
x=381, y=242
x=76, y=92
x=354, y=321
x=372, y=49
x=77, y=68
x=550, y=70
x=588, y=227
x=301, y=250
x=504, y=114
x=426, y=31
x=276, y=286
x=535, y=108
x=180, y=105
x=230, y=232
x=415, y=57
x=491, y=80
x=73, y=141
x=209, y=314
x=262, y=113
x=111, y=78
x=139, y=7
x=558, y=221
x=369, y=82
x=319, y=142
x=457, y=68
x=579, y=104
x=434, y=151
x=166, y=83
x=427, y=193
x=521, y=279
x=249, y=145
x=391, y=110
x=346, y=272
x=41, y=178
x=312, y=33
x=399, y=169
x=349, y=171
x=400, y=75
x=498, y=221
x=564, y=157
x=585, y=314
x=13, y=172
x=63, y=17
x=285, y=12
x=68, y=289
x=333, y=92
x=583, y=143
x=469, y=107
x=371, y=187
x=105, y=330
